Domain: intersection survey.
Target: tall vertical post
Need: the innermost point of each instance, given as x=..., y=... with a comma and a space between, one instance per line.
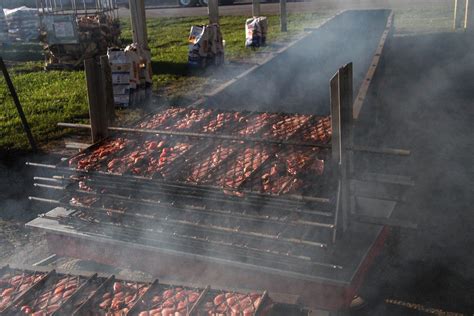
x=341, y=90
x=455, y=15
x=283, y=16
x=335, y=120
x=339, y=219
x=108, y=88
x=95, y=94
x=256, y=7
x=138, y=21
x=469, y=15
x=213, y=10
x=347, y=136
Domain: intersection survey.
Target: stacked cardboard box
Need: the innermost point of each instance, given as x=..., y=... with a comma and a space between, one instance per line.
x=256, y=32
x=131, y=73
x=206, y=46
x=23, y=24
x=123, y=79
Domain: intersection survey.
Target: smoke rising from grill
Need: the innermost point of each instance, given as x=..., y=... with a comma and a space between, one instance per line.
x=417, y=74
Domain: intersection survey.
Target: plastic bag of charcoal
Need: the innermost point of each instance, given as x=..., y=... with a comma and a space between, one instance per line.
x=206, y=46
x=256, y=32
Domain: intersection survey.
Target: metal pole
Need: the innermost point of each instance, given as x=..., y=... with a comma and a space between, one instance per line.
x=283, y=16
x=213, y=10
x=256, y=8
x=346, y=128
x=19, y=108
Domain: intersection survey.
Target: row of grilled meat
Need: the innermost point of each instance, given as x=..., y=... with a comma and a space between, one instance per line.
x=99, y=296
x=275, y=126
x=228, y=164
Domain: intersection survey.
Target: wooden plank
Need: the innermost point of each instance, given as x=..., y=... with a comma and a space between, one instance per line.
x=256, y=8
x=376, y=61
x=77, y=145
x=283, y=16
x=213, y=10
x=108, y=88
x=97, y=110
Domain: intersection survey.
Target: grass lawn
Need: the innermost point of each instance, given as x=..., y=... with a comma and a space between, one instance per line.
x=51, y=97
x=56, y=96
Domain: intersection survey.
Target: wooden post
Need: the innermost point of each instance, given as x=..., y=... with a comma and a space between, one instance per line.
x=108, y=88
x=138, y=21
x=461, y=14
x=283, y=16
x=468, y=16
x=455, y=15
x=256, y=8
x=19, y=108
x=97, y=107
x=213, y=10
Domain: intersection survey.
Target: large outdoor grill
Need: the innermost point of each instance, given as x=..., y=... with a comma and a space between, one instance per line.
x=256, y=190
x=242, y=199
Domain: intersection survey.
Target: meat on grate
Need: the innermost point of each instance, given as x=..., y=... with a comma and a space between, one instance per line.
x=159, y=119
x=287, y=126
x=91, y=160
x=13, y=284
x=255, y=123
x=191, y=119
x=49, y=299
x=222, y=121
x=201, y=171
x=175, y=301
x=243, y=166
x=320, y=132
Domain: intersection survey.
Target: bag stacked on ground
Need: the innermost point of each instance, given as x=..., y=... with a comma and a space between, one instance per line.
x=3, y=28
x=23, y=24
x=256, y=31
x=206, y=46
x=131, y=74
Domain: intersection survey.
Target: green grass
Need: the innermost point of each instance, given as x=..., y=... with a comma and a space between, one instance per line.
x=433, y=18
x=57, y=96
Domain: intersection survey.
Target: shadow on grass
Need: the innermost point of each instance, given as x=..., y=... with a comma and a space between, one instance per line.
x=176, y=69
